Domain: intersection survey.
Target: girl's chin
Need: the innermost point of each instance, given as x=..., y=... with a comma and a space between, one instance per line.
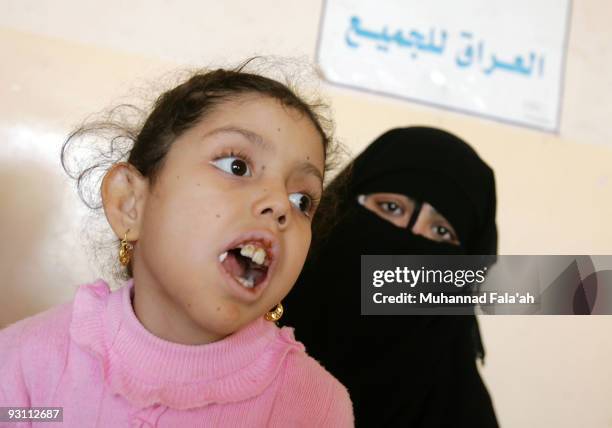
x=224, y=319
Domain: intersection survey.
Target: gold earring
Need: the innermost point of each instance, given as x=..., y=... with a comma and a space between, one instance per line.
x=125, y=250
x=275, y=314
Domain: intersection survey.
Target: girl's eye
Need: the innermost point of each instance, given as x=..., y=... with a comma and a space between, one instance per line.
x=302, y=201
x=233, y=165
x=391, y=207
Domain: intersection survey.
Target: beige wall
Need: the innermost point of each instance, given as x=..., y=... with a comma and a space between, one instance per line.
x=554, y=191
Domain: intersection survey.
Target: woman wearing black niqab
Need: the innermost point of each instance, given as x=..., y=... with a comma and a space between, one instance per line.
x=413, y=371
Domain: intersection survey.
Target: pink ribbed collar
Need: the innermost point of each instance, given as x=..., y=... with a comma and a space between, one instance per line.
x=148, y=370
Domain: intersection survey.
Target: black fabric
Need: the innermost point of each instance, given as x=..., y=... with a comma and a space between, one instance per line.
x=417, y=371
x=437, y=167
x=415, y=215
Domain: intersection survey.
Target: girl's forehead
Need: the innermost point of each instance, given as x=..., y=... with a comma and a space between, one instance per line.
x=262, y=112
x=254, y=103
x=265, y=120
x=262, y=124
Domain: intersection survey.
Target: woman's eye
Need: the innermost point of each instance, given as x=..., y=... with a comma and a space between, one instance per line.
x=233, y=165
x=302, y=201
x=391, y=207
x=443, y=232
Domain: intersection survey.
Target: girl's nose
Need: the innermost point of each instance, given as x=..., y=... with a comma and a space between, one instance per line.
x=280, y=219
x=274, y=204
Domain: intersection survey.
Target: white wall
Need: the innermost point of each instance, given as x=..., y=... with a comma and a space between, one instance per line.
x=555, y=191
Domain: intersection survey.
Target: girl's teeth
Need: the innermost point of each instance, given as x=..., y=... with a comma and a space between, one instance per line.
x=222, y=256
x=259, y=256
x=248, y=283
x=256, y=254
x=247, y=250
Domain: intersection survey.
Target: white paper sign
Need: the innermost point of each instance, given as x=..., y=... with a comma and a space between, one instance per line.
x=496, y=58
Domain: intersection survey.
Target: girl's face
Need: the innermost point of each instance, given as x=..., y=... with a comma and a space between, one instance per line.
x=397, y=209
x=226, y=227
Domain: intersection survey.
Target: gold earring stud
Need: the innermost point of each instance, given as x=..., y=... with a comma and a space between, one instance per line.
x=275, y=314
x=125, y=250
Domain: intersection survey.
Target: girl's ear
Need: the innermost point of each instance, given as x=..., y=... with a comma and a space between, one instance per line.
x=124, y=195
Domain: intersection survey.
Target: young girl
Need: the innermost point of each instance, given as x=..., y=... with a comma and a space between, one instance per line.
x=213, y=208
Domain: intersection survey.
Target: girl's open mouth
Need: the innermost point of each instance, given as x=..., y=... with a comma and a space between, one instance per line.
x=248, y=262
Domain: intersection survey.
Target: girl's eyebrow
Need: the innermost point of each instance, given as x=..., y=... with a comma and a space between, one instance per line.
x=308, y=168
x=249, y=135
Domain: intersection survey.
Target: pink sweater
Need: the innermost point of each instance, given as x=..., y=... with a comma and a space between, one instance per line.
x=93, y=358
